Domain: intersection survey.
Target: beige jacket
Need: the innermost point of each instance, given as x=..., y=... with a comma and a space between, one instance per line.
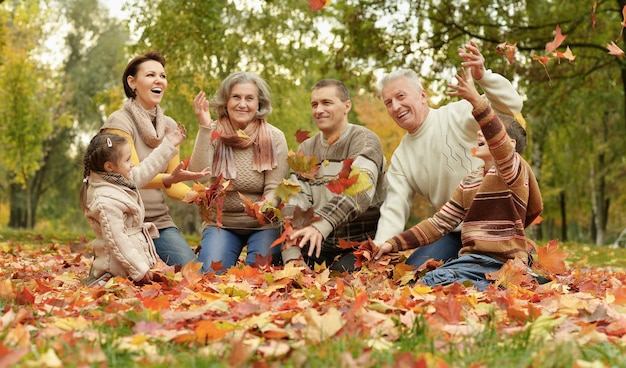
x=123, y=245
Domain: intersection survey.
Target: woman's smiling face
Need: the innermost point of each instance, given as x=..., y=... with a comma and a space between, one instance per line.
x=149, y=84
x=242, y=105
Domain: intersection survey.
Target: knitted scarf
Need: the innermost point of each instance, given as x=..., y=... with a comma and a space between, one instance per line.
x=119, y=179
x=150, y=124
x=258, y=134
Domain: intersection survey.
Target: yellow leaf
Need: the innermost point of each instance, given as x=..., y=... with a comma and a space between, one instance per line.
x=286, y=189
x=241, y=134
x=362, y=184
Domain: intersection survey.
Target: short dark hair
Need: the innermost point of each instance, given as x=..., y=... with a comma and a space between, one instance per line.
x=342, y=90
x=133, y=67
x=515, y=131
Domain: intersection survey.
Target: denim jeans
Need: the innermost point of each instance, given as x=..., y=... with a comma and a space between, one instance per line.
x=468, y=267
x=225, y=246
x=172, y=248
x=444, y=249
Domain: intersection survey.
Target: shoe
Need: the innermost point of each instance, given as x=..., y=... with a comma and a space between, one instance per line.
x=93, y=281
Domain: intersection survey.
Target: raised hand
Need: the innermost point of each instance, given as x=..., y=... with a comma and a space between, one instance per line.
x=177, y=135
x=473, y=59
x=201, y=109
x=465, y=88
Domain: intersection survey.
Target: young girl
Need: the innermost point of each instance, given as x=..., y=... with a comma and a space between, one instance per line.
x=113, y=207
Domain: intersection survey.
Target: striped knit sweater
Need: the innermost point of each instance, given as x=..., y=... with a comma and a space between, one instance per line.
x=494, y=206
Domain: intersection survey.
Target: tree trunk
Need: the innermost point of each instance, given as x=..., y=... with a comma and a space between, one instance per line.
x=22, y=207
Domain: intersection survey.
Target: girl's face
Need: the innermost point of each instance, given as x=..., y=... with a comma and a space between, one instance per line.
x=124, y=165
x=149, y=84
x=242, y=104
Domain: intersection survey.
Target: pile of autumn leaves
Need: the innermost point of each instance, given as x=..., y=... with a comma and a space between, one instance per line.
x=270, y=313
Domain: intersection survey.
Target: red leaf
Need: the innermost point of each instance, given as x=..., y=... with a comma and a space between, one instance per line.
x=316, y=5
x=214, y=135
x=558, y=40
x=593, y=15
x=344, y=179
x=508, y=50
x=302, y=135
x=186, y=163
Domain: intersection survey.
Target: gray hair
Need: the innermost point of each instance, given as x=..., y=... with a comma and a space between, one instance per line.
x=407, y=74
x=222, y=95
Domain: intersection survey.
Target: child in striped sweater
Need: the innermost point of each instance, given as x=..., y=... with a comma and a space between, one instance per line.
x=494, y=203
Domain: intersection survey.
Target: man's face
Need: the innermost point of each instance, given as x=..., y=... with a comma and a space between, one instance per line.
x=329, y=112
x=405, y=103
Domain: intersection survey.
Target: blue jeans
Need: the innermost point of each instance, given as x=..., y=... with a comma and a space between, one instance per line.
x=468, y=267
x=444, y=249
x=172, y=248
x=225, y=246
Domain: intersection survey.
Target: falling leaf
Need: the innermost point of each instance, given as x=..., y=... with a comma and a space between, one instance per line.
x=558, y=40
x=316, y=5
x=286, y=189
x=302, y=135
x=566, y=55
x=344, y=180
x=592, y=16
x=544, y=61
x=215, y=135
x=614, y=49
x=305, y=166
x=623, y=22
x=507, y=50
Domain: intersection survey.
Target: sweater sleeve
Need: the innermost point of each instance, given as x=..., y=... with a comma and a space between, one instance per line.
x=432, y=229
x=507, y=161
x=175, y=191
x=501, y=93
x=275, y=176
x=202, y=155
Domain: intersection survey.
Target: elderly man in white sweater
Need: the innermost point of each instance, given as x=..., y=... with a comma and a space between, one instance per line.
x=435, y=154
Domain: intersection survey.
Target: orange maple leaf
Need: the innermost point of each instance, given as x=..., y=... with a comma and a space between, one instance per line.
x=558, y=40
x=566, y=55
x=550, y=259
x=316, y=5
x=207, y=331
x=507, y=50
x=302, y=135
x=614, y=49
x=448, y=309
x=544, y=61
x=512, y=273
x=344, y=180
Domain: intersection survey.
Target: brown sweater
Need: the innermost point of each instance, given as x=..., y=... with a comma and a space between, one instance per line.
x=494, y=206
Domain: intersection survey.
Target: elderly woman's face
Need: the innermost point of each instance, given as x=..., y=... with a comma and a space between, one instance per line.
x=242, y=105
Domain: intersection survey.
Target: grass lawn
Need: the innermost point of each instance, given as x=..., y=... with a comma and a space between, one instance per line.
x=286, y=317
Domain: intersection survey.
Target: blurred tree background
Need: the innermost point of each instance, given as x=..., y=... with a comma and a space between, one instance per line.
x=61, y=63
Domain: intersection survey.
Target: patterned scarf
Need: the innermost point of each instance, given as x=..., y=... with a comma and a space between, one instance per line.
x=119, y=179
x=258, y=134
x=150, y=124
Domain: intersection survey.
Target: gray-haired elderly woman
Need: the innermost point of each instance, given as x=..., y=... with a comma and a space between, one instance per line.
x=242, y=147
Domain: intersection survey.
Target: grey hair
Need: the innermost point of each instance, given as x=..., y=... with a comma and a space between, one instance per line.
x=407, y=74
x=222, y=95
